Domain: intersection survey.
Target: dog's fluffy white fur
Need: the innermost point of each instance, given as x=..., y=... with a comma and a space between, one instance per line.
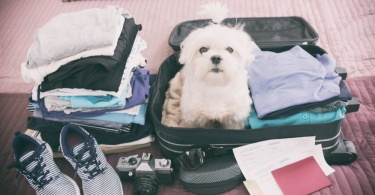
x=215, y=93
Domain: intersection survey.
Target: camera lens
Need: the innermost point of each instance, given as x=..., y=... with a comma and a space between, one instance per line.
x=145, y=185
x=132, y=161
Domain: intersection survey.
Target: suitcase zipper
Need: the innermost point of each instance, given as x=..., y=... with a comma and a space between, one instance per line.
x=330, y=139
x=175, y=151
x=171, y=143
x=218, y=145
x=190, y=145
x=330, y=147
x=240, y=144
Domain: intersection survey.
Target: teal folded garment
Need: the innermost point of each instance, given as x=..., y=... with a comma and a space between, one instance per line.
x=301, y=118
x=107, y=101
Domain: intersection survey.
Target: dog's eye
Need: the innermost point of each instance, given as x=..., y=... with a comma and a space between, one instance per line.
x=203, y=49
x=229, y=49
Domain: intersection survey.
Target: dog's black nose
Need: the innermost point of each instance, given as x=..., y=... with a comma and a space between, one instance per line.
x=216, y=59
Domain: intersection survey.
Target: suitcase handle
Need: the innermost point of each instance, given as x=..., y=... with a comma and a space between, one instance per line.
x=218, y=151
x=211, y=151
x=353, y=105
x=342, y=72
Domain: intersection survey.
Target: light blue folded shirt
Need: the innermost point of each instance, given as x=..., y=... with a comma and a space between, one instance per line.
x=301, y=118
x=293, y=77
x=123, y=117
x=107, y=101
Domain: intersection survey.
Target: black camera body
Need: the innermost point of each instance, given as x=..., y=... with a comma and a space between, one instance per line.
x=132, y=168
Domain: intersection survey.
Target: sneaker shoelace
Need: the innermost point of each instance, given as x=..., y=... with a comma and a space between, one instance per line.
x=37, y=175
x=89, y=161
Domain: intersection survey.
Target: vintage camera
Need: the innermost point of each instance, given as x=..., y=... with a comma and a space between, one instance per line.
x=146, y=172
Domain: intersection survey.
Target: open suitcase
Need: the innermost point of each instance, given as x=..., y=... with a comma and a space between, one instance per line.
x=275, y=34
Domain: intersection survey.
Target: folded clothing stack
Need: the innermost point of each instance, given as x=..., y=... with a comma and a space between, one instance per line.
x=293, y=87
x=88, y=69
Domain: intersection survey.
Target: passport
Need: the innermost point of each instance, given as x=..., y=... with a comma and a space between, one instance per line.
x=302, y=177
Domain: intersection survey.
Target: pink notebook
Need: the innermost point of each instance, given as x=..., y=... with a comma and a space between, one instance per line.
x=302, y=177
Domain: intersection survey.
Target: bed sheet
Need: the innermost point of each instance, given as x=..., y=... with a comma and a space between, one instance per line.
x=345, y=28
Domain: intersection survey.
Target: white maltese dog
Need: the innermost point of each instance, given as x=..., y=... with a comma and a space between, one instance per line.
x=215, y=92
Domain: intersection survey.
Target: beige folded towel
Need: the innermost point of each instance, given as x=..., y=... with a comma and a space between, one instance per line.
x=171, y=115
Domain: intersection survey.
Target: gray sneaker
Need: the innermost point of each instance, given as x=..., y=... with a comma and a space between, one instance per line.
x=83, y=153
x=33, y=158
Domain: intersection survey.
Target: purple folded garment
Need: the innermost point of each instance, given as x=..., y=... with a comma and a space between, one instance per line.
x=140, y=88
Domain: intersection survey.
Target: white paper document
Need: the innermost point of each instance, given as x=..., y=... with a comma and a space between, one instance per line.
x=257, y=160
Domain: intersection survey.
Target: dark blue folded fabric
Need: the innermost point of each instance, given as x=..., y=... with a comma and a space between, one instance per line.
x=50, y=132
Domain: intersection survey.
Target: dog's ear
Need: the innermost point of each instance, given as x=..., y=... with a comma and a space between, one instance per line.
x=186, y=45
x=183, y=55
x=249, y=47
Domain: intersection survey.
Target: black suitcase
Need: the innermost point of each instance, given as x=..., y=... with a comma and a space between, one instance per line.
x=275, y=34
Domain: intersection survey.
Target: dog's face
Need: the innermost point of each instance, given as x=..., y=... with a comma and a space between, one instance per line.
x=216, y=53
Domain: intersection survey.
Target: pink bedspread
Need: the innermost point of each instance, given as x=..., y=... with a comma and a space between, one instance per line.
x=346, y=28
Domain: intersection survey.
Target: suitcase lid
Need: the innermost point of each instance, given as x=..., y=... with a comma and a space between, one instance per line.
x=267, y=32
